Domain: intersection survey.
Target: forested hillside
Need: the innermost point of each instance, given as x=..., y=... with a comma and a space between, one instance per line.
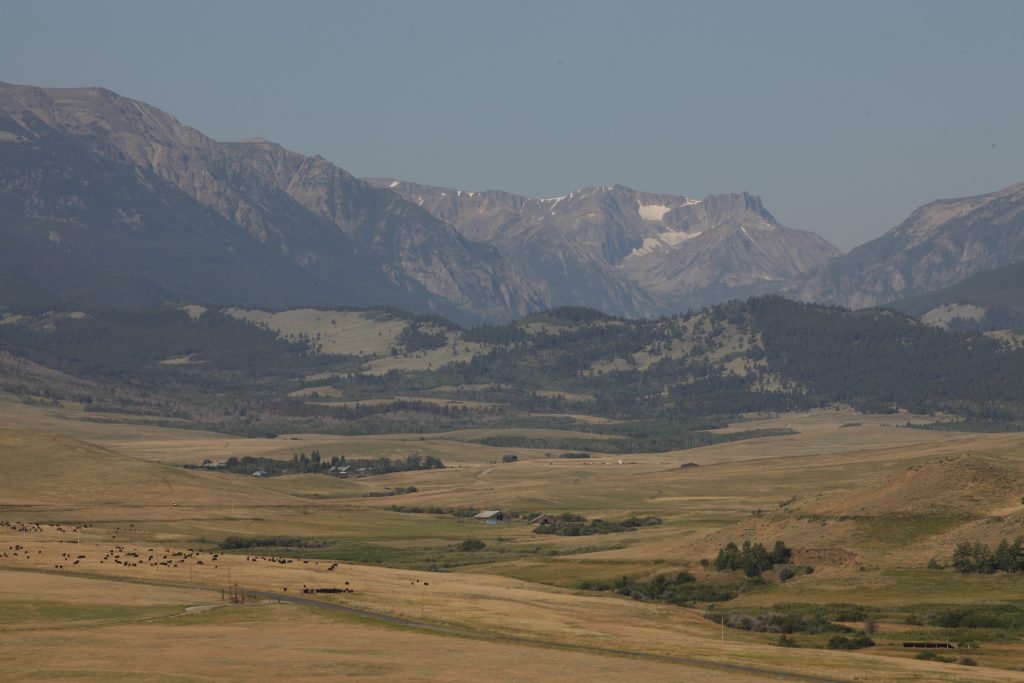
x=631, y=385
x=991, y=300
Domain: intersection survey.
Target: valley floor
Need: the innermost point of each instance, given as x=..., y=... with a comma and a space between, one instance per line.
x=112, y=565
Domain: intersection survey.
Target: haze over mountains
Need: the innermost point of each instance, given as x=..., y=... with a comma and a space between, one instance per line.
x=108, y=201
x=629, y=252
x=120, y=202
x=939, y=245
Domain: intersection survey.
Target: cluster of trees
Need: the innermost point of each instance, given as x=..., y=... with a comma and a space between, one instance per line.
x=316, y=464
x=569, y=524
x=397, y=491
x=988, y=616
x=681, y=588
x=856, y=642
x=752, y=558
x=415, y=338
x=778, y=621
x=435, y=510
x=978, y=558
x=359, y=411
x=632, y=439
x=241, y=542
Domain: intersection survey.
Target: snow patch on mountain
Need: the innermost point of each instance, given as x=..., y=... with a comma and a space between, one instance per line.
x=652, y=212
x=663, y=241
x=655, y=212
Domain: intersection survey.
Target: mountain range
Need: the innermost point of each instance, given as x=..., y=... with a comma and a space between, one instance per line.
x=628, y=252
x=939, y=245
x=105, y=200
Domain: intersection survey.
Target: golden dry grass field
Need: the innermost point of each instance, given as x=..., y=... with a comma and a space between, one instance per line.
x=123, y=576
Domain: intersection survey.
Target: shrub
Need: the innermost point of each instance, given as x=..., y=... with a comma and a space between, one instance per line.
x=568, y=524
x=979, y=616
x=472, y=545
x=849, y=643
x=847, y=612
x=930, y=656
x=241, y=542
x=777, y=621
x=787, y=641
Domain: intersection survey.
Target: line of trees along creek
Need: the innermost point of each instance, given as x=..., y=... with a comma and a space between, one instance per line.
x=315, y=464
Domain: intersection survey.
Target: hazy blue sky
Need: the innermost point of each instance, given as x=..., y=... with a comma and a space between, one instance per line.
x=842, y=116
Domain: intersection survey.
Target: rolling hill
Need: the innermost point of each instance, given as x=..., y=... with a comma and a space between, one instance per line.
x=649, y=385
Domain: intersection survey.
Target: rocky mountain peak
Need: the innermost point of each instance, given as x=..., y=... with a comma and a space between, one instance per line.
x=103, y=161
x=939, y=244
x=626, y=251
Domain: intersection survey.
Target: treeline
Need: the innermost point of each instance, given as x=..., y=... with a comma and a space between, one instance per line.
x=415, y=338
x=315, y=464
x=241, y=542
x=118, y=342
x=435, y=510
x=681, y=588
x=789, y=619
x=397, y=491
x=630, y=443
x=778, y=621
x=360, y=411
x=569, y=524
x=879, y=360
x=978, y=558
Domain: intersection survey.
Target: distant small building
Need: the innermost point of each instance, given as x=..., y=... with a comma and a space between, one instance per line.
x=511, y=457
x=259, y=473
x=339, y=471
x=490, y=516
x=214, y=464
x=542, y=520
